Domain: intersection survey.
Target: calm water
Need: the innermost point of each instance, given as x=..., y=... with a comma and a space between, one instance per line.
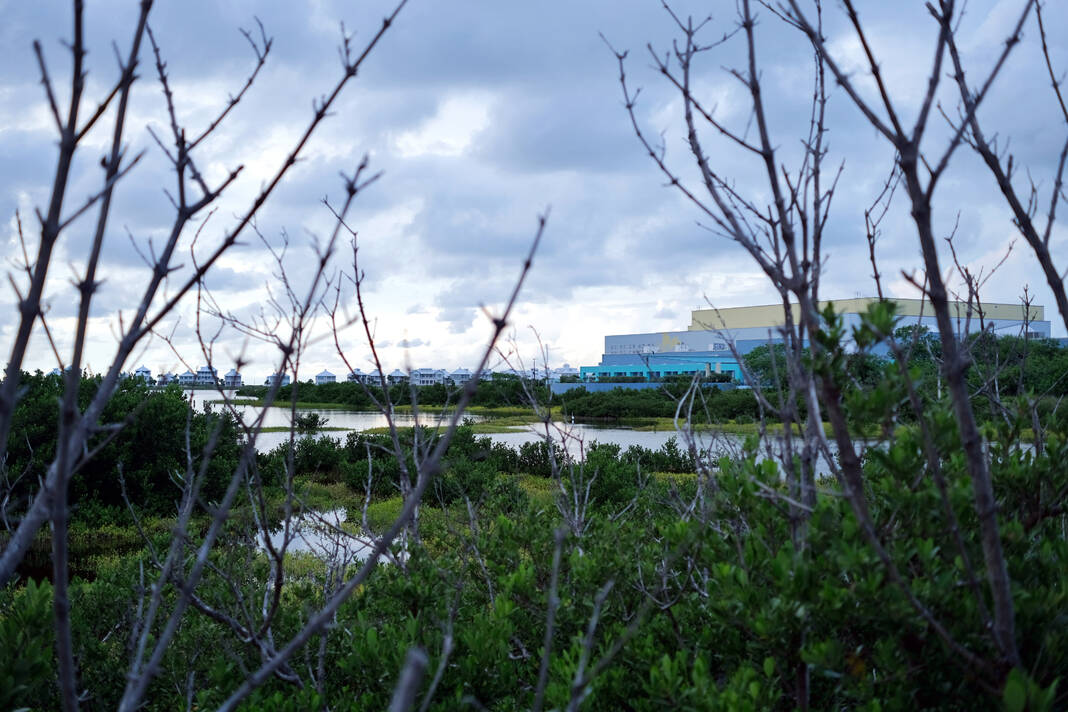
x=316, y=533
x=280, y=417
x=575, y=437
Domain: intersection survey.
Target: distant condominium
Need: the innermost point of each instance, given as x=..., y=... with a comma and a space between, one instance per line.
x=706, y=346
x=438, y=376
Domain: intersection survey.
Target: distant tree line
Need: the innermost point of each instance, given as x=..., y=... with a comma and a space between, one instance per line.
x=501, y=391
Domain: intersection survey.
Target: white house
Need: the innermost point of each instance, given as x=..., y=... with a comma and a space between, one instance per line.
x=397, y=376
x=325, y=377
x=460, y=376
x=144, y=374
x=428, y=376
x=187, y=379
x=206, y=376
x=232, y=379
x=566, y=370
x=275, y=377
x=356, y=376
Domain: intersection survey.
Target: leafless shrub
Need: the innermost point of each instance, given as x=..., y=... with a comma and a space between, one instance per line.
x=785, y=239
x=171, y=585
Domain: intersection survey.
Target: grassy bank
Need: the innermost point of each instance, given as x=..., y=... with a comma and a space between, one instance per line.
x=286, y=429
x=486, y=411
x=506, y=424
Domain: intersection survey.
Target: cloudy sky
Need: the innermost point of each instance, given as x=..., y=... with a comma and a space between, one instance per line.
x=481, y=115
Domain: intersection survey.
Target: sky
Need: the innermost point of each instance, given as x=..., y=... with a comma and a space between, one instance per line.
x=481, y=116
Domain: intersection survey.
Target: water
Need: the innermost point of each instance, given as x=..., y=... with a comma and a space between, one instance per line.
x=280, y=417
x=318, y=533
x=574, y=437
x=577, y=437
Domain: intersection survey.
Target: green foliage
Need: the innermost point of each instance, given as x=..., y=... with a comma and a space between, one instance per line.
x=716, y=406
x=720, y=605
x=767, y=365
x=1022, y=694
x=309, y=422
x=27, y=665
x=501, y=390
x=669, y=458
x=762, y=611
x=149, y=454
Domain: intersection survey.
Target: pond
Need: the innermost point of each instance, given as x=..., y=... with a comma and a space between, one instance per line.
x=577, y=437
x=574, y=437
x=322, y=534
x=279, y=417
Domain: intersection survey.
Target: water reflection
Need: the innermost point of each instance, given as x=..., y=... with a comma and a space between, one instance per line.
x=574, y=437
x=322, y=534
x=280, y=417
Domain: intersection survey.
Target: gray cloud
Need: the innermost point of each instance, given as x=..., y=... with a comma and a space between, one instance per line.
x=482, y=114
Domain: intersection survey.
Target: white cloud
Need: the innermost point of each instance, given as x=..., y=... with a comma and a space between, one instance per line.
x=450, y=132
x=480, y=115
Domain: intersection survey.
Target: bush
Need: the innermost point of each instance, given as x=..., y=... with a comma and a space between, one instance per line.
x=668, y=458
x=27, y=665
x=537, y=458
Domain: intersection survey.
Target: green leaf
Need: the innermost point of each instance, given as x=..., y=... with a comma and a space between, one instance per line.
x=1015, y=693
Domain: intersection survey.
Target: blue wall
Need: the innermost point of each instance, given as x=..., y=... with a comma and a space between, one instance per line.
x=662, y=365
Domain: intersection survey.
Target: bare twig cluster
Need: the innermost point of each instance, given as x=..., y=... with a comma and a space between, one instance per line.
x=171, y=586
x=784, y=233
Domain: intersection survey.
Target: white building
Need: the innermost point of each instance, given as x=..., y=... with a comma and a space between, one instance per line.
x=206, y=376
x=325, y=377
x=187, y=379
x=270, y=381
x=232, y=379
x=397, y=376
x=461, y=376
x=566, y=370
x=428, y=376
x=356, y=376
x=144, y=374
